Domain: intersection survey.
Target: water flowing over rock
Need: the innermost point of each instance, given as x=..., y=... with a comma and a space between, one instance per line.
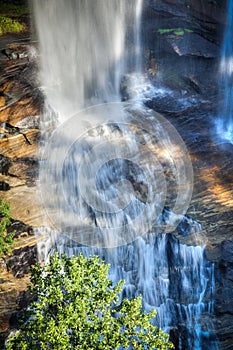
x=186, y=275
x=225, y=123
x=83, y=55
x=76, y=74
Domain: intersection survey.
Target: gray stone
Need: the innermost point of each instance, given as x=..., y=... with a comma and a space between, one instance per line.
x=227, y=251
x=192, y=44
x=224, y=328
x=5, y=164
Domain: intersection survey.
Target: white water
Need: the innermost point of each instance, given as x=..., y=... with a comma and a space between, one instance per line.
x=83, y=50
x=86, y=46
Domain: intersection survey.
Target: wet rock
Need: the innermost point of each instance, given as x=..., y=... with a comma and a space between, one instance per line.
x=21, y=260
x=192, y=44
x=224, y=328
x=185, y=38
x=5, y=163
x=30, y=122
x=185, y=227
x=4, y=186
x=227, y=251
x=193, y=82
x=224, y=295
x=18, y=227
x=172, y=103
x=224, y=292
x=205, y=16
x=9, y=54
x=213, y=253
x=25, y=169
x=14, y=54
x=124, y=88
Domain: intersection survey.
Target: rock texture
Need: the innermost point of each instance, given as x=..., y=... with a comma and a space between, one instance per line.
x=187, y=61
x=212, y=206
x=192, y=44
x=182, y=39
x=20, y=104
x=14, y=279
x=224, y=294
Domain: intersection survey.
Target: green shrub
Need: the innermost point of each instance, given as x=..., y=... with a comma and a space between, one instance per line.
x=6, y=240
x=77, y=307
x=8, y=25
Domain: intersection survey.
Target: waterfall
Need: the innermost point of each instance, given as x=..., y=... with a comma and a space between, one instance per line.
x=225, y=122
x=83, y=50
x=86, y=46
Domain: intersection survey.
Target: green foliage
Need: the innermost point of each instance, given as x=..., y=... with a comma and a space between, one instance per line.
x=10, y=9
x=6, y=240
x=8, y=25
x=77, y=307
x=176, y=31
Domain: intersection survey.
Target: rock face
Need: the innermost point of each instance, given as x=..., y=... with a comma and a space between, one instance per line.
x=224, y=294
x=192, y=44
x=212, y=207
x=20, y=104
x=183, y=39
x=14, y=280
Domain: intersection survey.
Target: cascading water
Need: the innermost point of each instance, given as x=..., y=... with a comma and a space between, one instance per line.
x=86, y=47
x=173, y=278
x=83, y=50
x=225, y=122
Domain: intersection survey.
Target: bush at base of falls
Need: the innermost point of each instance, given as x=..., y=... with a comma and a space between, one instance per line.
x=8, y=25
x=77, y=307
x=6, y=239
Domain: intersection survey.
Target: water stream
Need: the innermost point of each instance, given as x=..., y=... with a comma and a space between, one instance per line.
x=73, y=35
x=86, y=47
x=225, y=122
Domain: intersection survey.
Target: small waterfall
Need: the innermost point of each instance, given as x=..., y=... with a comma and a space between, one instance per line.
x=225, y=122
x=86, y=46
